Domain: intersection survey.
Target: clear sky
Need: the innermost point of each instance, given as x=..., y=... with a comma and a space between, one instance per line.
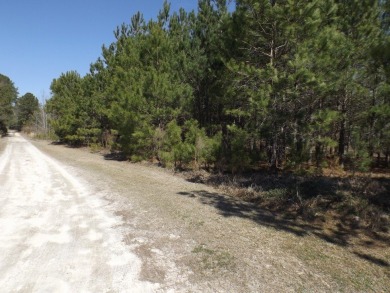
x=40, y=39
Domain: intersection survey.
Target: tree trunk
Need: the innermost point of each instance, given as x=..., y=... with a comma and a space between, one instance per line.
x=372, y=124
x=318, y=156
x=272, y=154
x=342, y=142
x=342, y=132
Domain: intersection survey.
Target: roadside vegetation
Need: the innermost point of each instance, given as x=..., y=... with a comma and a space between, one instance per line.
x=8, y=95
x=297, y=85
x=333, y=203
x=296, y=91
x=282, y=104
x=20, y=113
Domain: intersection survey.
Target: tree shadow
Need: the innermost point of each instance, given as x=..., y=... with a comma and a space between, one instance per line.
x=68, y=145
x=341, y=234
x=229, y=207
x=374, y=190
x=116, y=156
x=372, y=259
x=58, y=143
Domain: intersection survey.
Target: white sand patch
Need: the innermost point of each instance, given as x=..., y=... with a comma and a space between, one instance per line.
x=60, y=238
x=26, y=253
x=94, y=236
x=84, y=252
x=52, y=285
x=83, y=225
x=119, y=260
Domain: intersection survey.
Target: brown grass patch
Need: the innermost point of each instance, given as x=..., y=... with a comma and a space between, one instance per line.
x=343, y=210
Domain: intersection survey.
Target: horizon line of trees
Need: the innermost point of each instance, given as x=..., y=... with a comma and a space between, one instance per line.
x=18, y=113
x=290, y=83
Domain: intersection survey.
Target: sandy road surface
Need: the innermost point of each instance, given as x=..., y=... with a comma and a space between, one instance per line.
x=56, y=235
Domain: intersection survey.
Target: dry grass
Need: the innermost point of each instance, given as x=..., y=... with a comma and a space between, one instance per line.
x=358, y=202
x=211, y=260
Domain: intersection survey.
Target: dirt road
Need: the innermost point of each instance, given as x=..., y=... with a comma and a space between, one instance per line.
x=56, y=235
x=71, y=221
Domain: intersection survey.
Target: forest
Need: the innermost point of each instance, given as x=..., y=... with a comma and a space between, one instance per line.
x=19, y=113
x=273, y=84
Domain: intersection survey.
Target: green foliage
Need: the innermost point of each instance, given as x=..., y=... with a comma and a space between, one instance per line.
x=8, y=95
x=63, y=104
x=188, y=144
x=142, y=147
x=211, y=152
x=290, y=83
x=238, y=155
x=175, y=152
x=84, y=136
x=358, y=158
x=73, y=114
x=204, y=150
x=25, y=108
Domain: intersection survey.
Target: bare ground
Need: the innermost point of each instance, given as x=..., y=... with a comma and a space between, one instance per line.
x=192, y=238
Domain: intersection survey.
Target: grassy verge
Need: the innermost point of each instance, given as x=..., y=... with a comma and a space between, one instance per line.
x=340, y=225
x=339, y=209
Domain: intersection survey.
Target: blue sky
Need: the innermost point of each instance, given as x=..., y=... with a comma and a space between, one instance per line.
x=40, y=39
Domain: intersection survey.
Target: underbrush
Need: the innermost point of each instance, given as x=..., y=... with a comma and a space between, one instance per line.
x=349, y=203
x=43, y=136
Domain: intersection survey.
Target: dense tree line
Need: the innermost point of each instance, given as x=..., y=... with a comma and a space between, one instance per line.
x=16, y=112
x=290, y=83
x=8, y=95
x=26, y=109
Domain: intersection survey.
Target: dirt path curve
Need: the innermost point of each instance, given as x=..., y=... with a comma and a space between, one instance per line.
x=55, y=235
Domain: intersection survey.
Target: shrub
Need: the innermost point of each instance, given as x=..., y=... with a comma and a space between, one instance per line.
x=239, y=159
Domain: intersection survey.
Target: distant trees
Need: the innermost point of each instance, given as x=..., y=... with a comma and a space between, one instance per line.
x=15, y=112
x=19, y=113
x=295, y=84
x=8, y=95
x=25, y=108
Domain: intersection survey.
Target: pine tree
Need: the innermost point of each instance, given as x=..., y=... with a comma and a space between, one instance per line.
x=25, y=107
x=272, y=77
x=8, y=95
